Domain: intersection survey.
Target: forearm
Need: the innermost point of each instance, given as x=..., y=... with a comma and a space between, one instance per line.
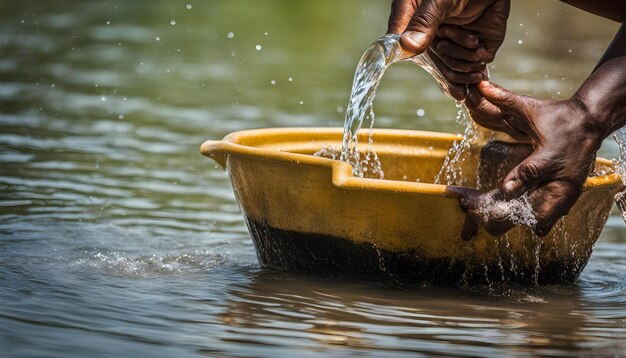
x=603, y=94
x=603, y=97
x=610, y=9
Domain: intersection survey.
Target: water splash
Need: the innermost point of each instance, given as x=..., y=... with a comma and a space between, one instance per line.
x=451, y=172
x=620, y=168
x=328, y=151
x=377, y=57
x=123, y=265
x=519, y=211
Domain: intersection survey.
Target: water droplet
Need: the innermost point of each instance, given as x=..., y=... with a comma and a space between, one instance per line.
x=273, y=82
x=520, y=42
x=570, y=50
x=158, y=38
x=420, y=112
x=103, y=98
x=108, y=22
x=188, y=6
x=121, y=116
x=172, y=22
x=301, y=102
x=290, y=79
x=339, y=109
x=230, y=35
x=266, y=34
x=258, y=47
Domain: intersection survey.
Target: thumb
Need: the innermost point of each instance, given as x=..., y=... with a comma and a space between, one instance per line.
x=503, y=98
x=524, y=177
x=401, y=13
x=423, y=26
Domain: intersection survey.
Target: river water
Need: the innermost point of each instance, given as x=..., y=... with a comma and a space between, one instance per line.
x=118, y=238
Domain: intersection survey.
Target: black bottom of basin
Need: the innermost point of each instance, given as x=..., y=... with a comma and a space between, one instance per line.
x=315, y=253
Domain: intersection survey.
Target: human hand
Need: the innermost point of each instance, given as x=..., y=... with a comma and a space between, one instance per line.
x=565, y=142
x=464, y=34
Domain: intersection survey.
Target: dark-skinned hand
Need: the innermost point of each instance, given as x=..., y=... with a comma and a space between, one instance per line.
x=553, y=176
x=463, y=34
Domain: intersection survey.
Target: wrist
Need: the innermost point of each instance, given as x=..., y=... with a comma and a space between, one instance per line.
x=593, y=119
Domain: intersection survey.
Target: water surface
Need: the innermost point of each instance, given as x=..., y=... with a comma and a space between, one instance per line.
x=118, y=238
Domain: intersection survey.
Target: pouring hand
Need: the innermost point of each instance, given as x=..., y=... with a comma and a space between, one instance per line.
x=464, y=34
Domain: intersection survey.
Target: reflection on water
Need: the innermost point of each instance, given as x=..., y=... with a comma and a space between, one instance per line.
x=117, y=238
x=326, y=314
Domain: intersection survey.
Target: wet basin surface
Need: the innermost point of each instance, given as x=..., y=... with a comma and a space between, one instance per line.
x=118, y=238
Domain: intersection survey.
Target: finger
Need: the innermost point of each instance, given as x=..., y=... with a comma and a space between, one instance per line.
x=475, y=101
x=484, y=112
x=503, y=98
x=467, y=199
x=469, y=229
x=479, y=55
x=487, y=115
x=551, y=202
x=457, y=91
x=460, y=36
x=487, y=211
x=460, y=65
x=423, y=26
x=401, y=13
x=525, y=176
x=496, y=24
x=455, y=76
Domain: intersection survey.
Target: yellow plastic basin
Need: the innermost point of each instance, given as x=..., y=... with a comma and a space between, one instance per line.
x=308, y=213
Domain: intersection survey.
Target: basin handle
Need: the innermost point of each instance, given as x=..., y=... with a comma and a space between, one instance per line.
x=217, y=150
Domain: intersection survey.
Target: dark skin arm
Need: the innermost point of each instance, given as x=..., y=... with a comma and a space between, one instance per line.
x=610, y=9
x=565, y=135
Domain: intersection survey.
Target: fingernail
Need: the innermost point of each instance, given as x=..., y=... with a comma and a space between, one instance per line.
x=419, y=38
x=482, y=52
x=510, y=187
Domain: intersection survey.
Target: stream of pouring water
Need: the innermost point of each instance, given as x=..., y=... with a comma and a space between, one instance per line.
x=372, y=65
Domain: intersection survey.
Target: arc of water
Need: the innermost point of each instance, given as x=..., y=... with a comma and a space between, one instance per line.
x=377, y=57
